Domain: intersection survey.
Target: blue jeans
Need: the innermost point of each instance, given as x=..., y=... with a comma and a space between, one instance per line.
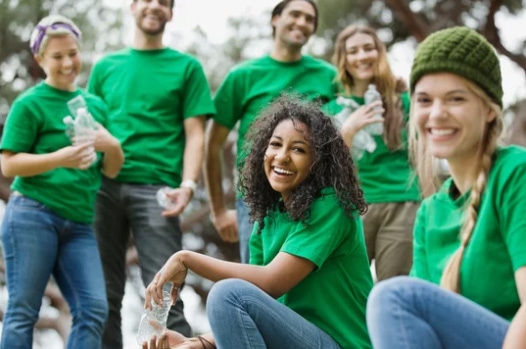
x=122, y=208
x=407, y=313
x=242, y=316
x=37, y=244
x=244, y=228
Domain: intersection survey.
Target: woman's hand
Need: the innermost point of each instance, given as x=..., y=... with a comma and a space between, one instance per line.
x=363, y=116
x=104, y=141
x=76, y=156
x=173, y=271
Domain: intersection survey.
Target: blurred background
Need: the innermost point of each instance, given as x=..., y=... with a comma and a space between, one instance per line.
x=222, y=34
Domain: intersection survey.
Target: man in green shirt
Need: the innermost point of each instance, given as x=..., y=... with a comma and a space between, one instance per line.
x=158, y=100
x=249, y=88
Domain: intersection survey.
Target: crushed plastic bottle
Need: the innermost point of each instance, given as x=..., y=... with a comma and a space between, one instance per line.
x=362, y=140
x=163, y=200
x=370, y=96
x=81, y=129
x=153, y=322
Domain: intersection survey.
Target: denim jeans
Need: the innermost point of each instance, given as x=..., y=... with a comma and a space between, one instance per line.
x=37, y=244
x=242, y=316
x=122, y=208
x=244, y=228
x=407, y=313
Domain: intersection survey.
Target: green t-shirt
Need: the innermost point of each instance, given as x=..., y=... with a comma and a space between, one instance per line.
x=386, y=175
x=35, y=125
x=498, y=245
x=149, y=94
x=253, y=85
x=334, y=295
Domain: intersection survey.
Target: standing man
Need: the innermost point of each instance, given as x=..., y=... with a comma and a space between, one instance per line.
x=158, y=100
x=250, y=87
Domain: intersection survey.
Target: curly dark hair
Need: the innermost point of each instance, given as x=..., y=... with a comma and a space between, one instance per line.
x=332, y=164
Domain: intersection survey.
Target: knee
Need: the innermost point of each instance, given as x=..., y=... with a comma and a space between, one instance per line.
x=388, y=294
x=94, y=313
x=224, y=295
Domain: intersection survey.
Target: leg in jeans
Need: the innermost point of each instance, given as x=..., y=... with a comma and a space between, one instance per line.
x=243, y=316
x=30, y=246
x=394, y=240
x=112, y=230
x=244, y=228
x=407, y=313
x=79, y=276
x=156, y=239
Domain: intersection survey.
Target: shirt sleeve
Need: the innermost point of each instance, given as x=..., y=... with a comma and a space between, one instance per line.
x=21, y=128
x=197, y=99
x=512, y=216
x=420, y=267
x=227, y=102
x=323, y=234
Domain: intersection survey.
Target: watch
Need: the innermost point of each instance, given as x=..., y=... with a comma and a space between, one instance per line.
x=190, y=184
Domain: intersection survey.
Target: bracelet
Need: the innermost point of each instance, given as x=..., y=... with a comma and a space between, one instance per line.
x=203, y=340
x=190, y=184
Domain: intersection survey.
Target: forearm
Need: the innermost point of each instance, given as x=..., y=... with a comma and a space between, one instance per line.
x=213, y=179
x=516, y=335
x=215, y=270
x=27, y=165
x=112, y=160
x=193, y=157
x=348, y=136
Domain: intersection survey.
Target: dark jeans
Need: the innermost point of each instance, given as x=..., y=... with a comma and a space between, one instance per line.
x=121, y=209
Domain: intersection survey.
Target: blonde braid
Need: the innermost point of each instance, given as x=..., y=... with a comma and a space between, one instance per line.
x=451, y=276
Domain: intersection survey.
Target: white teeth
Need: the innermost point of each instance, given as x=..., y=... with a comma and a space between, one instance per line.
x=442, y=131
x=282, y=171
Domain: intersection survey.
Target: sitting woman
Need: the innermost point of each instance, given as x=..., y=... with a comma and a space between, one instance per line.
x=470, y=236
x=309, y=278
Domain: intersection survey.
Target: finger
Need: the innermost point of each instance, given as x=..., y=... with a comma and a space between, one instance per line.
x=175, y=210
x=144, y=345
x=153, y=342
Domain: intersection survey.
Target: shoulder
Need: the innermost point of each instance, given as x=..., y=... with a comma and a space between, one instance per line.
x=318, y=63
x=509, y=162
x=113, y=57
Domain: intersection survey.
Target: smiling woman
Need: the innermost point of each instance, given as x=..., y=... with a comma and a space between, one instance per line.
x=307, y=254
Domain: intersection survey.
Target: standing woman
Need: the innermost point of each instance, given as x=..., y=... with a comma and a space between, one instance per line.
x=309, y=278
x=46, y=229
x=470, y=236
x=384, y=174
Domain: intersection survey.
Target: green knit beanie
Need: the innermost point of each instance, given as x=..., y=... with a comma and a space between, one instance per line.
x=461, y=51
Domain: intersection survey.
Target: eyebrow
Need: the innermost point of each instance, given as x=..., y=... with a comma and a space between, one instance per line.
x=298, y=141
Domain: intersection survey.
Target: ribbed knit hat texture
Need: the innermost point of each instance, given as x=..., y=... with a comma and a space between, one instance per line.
x=461, y=51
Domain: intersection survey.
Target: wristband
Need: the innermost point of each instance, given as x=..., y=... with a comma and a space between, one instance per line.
x=190, y=184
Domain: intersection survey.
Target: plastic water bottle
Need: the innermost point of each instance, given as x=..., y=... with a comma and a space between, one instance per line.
x=163, y=200
x=153, y=321
x=370, y=96
x=362, y=140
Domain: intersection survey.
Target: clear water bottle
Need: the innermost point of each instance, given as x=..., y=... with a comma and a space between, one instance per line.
x=370, y=96
x=153, y=321
x=362, y=140
x=163, y=200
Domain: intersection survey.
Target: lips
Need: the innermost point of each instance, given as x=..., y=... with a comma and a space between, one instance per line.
x=442, y=131
x=282, y=171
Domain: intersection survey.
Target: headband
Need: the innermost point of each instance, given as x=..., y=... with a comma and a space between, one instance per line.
x=42, y=30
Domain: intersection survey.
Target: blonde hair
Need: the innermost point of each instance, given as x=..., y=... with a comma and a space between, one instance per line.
x=49, y=27
x=388, y=85
x=426, y=169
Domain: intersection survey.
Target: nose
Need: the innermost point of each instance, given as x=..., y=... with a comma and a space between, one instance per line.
x=437, y=110
x=68, y=61
x=282, y=156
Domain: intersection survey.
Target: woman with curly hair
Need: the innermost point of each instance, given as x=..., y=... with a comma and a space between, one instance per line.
x=308, y=278
x=470, y=235
x=383, y=169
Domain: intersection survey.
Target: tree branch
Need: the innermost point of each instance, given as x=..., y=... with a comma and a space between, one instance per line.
x=417, y=25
